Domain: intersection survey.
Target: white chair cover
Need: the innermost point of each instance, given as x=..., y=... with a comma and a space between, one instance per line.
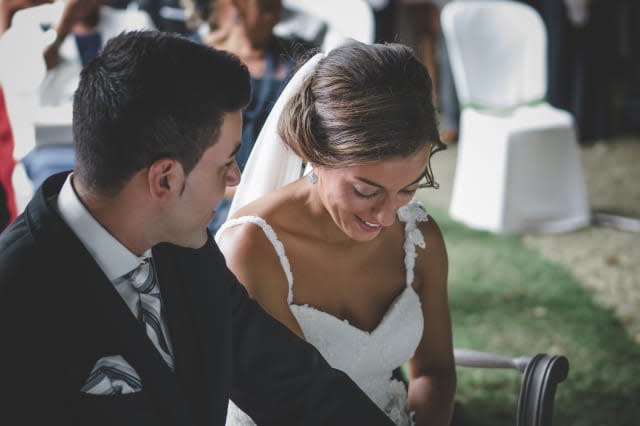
x=345, y=19
x=518, y=166
x=500, y=59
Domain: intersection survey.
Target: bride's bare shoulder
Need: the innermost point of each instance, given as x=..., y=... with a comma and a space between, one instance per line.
x=255, y=226
x=277, y=205
x=251, y=243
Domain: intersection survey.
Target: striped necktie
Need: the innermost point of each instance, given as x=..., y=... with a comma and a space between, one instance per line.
x=112, y=375
x=144, y=281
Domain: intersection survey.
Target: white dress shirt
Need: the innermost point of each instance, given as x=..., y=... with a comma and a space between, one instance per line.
x=114, y=259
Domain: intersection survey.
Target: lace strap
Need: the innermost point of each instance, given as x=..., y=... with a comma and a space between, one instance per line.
x=411, y=214
x=273, y=239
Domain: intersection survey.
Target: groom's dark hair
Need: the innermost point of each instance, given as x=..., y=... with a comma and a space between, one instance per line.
x=150, y=95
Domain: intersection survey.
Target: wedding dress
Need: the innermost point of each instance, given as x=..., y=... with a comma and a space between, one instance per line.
x=369, y=358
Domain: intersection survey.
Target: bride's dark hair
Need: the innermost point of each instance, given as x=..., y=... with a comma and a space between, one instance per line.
x=363, y=103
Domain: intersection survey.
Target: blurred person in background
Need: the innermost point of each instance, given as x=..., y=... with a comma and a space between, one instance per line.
x=167, y=15
x=245, y=28
x=417, y=23
x=8, y=207
x=43, y=51
x=7, y=197
x=582, y=60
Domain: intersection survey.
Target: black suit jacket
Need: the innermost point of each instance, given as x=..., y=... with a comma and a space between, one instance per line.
x=59, y=314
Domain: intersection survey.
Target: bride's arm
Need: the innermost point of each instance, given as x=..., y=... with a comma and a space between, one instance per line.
x=432, y=369
x=254, y=261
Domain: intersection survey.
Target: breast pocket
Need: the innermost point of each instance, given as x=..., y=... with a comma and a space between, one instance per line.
x=133, y=409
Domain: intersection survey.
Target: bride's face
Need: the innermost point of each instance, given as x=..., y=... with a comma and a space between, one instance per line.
x=365, y=198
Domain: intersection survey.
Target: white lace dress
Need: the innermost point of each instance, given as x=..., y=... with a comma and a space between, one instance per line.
x=369, y=358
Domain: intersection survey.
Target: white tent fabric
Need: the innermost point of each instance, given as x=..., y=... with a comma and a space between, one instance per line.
x=518, y=166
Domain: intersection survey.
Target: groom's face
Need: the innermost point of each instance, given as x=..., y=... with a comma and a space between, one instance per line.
x=204, y=187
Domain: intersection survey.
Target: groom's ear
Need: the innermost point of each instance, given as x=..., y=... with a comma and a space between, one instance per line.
x=165, y=179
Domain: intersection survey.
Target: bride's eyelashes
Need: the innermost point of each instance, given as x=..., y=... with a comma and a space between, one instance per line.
x=409, y=191
x=363, y=194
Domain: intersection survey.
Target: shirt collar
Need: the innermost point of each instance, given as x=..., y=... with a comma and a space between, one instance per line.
x=114, y=259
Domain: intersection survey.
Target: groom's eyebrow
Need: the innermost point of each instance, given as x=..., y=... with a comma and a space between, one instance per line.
x=235, y=151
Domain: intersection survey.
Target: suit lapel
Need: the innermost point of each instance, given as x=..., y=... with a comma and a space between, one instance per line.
x=201, y=277
x=98, y=303
x=178, y=313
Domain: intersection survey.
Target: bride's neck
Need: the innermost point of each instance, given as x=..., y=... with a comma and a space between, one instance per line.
x=325, y=227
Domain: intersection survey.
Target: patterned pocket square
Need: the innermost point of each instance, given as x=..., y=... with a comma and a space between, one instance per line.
x=112, y=375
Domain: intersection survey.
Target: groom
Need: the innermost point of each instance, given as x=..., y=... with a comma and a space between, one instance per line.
x=116, y=306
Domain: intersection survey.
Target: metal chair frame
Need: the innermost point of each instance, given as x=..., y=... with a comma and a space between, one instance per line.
x=541, y=375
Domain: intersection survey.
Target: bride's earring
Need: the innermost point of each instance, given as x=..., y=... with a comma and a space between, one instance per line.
x=313, y=177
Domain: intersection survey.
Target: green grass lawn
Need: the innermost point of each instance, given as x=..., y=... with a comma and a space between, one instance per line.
x=506, y=298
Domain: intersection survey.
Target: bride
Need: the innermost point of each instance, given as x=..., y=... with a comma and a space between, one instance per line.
x=343, y=256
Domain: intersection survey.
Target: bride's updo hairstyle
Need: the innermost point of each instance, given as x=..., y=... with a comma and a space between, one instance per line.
x=363, y=103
